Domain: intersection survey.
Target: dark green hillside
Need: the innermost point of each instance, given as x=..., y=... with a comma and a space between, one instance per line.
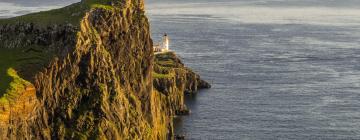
x=68, y=15
x=17, y=64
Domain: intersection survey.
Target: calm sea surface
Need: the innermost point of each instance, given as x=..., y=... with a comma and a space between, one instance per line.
x=280, y=69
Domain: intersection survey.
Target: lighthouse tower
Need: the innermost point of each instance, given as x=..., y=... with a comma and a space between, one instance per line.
x=165, y=42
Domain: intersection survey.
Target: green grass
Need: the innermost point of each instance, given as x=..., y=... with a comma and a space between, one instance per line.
x=167, y=63
x=7, y=61
x=107, y=7
x=158, y=75
x=14, y=59
x=71, y=14
x=16, y=84
x=166, y=60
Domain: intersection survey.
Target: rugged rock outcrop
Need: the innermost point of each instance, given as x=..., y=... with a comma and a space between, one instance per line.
x=173, y=79
x=102, y=82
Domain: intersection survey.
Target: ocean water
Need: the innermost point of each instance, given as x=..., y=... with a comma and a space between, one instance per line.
x=280, y=69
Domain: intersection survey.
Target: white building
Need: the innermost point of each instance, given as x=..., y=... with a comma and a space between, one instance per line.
x=162, y=46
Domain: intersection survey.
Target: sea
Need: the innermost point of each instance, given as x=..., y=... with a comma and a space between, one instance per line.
x=280, y=69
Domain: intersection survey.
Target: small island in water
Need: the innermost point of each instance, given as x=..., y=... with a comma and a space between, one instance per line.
x=90, y=70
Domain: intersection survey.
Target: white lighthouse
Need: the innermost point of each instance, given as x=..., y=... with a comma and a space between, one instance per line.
x=163, y=46
x=165, y=43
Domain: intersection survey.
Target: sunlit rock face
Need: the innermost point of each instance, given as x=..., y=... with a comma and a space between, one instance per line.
x=98, y=82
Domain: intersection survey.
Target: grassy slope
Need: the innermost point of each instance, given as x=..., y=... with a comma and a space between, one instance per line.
x=12, y=59
x=70, y=14
x=16, y=85
x=165, y=62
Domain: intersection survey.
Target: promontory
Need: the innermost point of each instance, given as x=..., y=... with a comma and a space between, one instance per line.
x=89, y=71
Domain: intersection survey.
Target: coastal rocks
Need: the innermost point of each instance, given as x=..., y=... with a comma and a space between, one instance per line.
x=179, y=137
x=170, y=66
x=173, y=79
x=183, y=112
x=102, y=81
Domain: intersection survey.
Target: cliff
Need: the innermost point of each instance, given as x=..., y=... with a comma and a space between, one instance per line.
x=91, y=76
x=173, y=79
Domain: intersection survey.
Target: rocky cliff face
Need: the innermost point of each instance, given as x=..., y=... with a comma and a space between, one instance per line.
x=173, y=79
x=100, y=81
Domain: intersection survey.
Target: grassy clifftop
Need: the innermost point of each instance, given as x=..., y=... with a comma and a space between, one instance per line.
x=10, y=61
x=168, y=66
x=71, y=14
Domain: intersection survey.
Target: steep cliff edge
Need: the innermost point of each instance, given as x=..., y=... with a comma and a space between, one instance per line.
x=173, y=79
x=94, y=79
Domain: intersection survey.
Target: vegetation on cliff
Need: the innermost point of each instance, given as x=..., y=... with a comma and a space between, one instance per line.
x=172, y=79
x=16, y=85
x=71, y=14
x=97, y=78
x=169, y=66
